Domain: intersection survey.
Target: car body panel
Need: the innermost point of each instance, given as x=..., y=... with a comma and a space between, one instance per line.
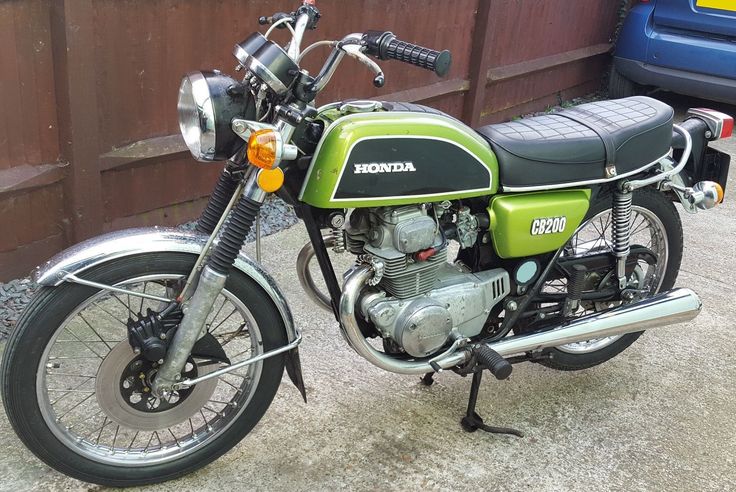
x=681, y=45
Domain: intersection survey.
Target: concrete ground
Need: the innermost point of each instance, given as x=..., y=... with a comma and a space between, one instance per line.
x=661, y=416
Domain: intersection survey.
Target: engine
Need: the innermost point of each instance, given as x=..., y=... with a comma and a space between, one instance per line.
x=418, y=300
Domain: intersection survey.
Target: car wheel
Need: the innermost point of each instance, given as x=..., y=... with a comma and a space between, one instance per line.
x=619, y=86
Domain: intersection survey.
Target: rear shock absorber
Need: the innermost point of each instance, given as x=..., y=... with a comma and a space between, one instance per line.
x=621, y=231
x=220, y=197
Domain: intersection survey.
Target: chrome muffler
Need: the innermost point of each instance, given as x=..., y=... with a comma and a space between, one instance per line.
x=674, y=306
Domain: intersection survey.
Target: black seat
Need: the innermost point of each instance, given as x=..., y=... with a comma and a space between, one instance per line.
x=582, y=143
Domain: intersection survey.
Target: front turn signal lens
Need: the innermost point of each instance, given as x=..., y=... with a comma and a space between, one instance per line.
x=270, y=180
x=264, y=149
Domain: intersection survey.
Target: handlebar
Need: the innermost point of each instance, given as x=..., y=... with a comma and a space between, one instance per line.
x=385, y=46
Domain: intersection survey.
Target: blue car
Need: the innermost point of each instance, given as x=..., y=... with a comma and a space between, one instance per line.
x=685, y=46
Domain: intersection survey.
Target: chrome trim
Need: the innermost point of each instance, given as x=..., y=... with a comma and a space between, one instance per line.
x=191, y=328
x=200, y=94
x=640, y=183
x=266, y=75
x=206, y=248
x=352, y=288
x=266, y=355
x=303, y=259
x=70, y=277
x=297, y=35
x=333, y=61
x=514, y=189
x=120, y=244
x=674, y=306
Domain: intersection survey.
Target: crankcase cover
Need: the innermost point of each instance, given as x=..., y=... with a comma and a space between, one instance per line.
x=398, y=158
x=423, y=327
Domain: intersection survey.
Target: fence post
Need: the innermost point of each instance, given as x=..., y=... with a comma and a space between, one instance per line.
x=72, y=35
x=479, y=64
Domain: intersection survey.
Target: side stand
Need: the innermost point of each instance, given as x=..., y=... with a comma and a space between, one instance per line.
x=472, y=421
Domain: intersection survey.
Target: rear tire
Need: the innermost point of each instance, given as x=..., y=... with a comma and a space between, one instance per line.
x=51, y=309
x=657, y=203
x=620, y=87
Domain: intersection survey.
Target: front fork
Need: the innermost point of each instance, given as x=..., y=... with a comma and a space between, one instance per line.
x=211, y=282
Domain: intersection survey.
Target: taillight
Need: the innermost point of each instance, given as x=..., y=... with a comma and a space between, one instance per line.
x=719, y=124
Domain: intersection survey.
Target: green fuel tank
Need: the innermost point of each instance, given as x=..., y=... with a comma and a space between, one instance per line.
x=385, y=158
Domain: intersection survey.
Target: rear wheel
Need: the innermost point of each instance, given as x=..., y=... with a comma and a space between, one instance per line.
x=655, y=225
x=80, y=399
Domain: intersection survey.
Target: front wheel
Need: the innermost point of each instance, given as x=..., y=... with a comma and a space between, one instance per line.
x=79, y=397
x=655, y=225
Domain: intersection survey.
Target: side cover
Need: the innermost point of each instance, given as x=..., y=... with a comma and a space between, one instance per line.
x=395, y=158
x=528, y=224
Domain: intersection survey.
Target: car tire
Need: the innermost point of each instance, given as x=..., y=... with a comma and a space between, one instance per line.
x=620, y=87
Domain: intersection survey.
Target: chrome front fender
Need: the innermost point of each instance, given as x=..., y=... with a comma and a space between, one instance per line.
x=97, y=250
x=92, y=252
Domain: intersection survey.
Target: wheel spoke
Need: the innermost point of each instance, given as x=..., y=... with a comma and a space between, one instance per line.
x=94, y=331
x=84, y=353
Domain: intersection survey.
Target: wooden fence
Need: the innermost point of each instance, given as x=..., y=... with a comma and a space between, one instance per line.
x=89, y=140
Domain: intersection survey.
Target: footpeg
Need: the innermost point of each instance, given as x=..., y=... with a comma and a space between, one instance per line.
x=493, y=361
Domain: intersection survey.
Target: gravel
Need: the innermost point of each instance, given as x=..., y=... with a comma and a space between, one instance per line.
x=276, y=215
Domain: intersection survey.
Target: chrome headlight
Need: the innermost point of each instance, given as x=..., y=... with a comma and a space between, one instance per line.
x=208, y=101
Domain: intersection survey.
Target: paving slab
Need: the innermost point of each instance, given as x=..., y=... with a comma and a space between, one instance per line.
x=661, y=416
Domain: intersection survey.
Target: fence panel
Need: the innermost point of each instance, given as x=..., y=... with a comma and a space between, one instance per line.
x=89, y=137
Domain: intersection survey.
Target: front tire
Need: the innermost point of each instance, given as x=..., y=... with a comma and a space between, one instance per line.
x=63, y=425
x=654, y=204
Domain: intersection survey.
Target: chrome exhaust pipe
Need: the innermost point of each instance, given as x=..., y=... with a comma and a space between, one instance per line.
x=306, y=254
x=666, y=308
x=674, y=306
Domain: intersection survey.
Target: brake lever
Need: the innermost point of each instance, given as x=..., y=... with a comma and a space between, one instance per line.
x=354, y=51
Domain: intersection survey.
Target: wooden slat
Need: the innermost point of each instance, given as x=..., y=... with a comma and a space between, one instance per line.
x=173, y=145
x=73, y=40
x=545, y=63
x=427, y=92
x=25, y=177
x=480, y=61
x=143, y=150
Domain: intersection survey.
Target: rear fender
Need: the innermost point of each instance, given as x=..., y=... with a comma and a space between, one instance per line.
x=705, y=162
x=129, y=242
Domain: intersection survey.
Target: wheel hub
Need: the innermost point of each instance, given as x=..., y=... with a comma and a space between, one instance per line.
x=123, y=390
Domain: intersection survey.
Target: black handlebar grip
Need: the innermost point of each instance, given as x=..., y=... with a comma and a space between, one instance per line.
x=384, y=45
x=436, y=61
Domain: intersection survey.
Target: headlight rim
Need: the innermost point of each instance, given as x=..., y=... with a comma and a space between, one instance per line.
x=216, y=99
x=201, y=97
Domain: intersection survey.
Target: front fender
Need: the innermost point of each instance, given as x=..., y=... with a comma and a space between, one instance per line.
x=128, y=242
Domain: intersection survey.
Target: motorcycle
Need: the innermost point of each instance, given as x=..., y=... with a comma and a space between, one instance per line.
x=148, y=353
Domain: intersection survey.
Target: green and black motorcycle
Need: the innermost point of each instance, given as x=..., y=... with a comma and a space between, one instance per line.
x=148, y=353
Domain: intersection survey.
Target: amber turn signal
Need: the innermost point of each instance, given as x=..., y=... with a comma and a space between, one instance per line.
x=270, y=180
x=719, y=192
x=263, y=149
